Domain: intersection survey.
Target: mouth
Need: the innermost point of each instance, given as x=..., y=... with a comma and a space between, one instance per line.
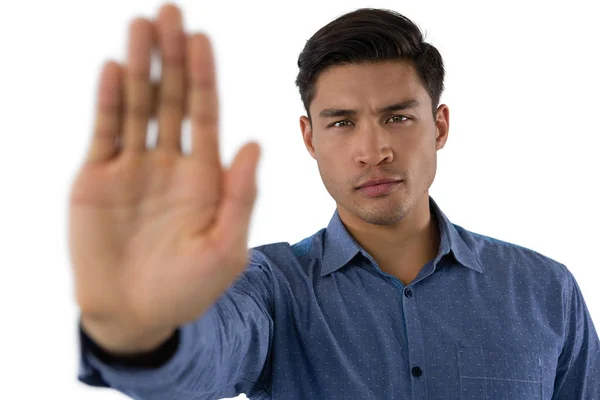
x=379, y=188
x=375, y=182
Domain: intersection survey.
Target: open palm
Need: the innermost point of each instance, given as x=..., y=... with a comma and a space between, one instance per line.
x=156, y=236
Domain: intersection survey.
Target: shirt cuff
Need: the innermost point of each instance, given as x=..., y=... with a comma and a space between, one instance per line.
x=152, y=359
x=159, y=369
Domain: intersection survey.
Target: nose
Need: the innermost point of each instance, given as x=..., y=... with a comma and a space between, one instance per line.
x=373, y=146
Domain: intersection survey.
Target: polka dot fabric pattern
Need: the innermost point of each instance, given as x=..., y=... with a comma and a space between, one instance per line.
x=484, y=319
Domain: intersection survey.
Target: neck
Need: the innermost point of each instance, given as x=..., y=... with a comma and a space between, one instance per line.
x=401, y=249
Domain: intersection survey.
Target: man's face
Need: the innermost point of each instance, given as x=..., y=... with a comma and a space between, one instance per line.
x=372, y=144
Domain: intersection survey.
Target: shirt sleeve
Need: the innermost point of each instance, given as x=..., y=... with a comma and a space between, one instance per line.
x=222, y=354
x=578, y=367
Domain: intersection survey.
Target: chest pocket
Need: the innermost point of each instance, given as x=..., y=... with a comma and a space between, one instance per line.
x=494, y=373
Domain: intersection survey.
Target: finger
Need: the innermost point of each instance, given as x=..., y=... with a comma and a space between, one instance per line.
x=156, y=95
x=172, y=42
x=107, y=127
x=138, y=90
x=203, y=102
x=238, y=199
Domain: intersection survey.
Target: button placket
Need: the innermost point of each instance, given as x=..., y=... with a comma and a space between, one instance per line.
x=414, y=336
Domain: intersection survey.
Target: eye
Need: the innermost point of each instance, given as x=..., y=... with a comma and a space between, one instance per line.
x=334, y=125
x=345, y=123
x=398, y=116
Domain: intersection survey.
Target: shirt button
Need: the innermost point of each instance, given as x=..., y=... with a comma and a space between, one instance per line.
x=416, y=371
x=408, y=292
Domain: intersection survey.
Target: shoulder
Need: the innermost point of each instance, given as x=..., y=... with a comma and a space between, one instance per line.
x=285, y=255
x=502, y=257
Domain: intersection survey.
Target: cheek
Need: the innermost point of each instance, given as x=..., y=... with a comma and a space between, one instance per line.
x=418, y=148
x=332, y=168
x=328, y=167
x=327, y=151
x=426, y=164
x=335, y=148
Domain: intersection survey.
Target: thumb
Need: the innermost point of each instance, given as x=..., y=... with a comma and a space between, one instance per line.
x=239, y=196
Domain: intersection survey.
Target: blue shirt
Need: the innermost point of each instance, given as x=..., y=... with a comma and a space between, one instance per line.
x=484, y=319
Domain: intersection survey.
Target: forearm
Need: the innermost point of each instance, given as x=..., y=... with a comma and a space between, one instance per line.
x=214, y=357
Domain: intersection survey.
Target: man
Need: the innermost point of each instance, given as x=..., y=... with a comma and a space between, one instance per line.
x=390, y=301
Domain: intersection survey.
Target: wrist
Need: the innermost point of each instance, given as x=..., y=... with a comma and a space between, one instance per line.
x=121, y=340
x=153, y=359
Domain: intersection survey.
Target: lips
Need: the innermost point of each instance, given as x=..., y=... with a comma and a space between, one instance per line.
x=373, y=182
x=372, y=189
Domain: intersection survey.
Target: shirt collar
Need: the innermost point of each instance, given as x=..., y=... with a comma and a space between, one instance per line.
x=340, y=247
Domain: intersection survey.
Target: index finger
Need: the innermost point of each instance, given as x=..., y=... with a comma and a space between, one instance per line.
x=203, y=107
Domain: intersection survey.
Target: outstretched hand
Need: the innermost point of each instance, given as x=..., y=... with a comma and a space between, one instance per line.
x=157, y=236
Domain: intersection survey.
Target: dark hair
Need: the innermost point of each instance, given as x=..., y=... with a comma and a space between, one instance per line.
x=369, y=35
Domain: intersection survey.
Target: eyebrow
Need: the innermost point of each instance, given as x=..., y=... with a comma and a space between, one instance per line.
x=336, y=112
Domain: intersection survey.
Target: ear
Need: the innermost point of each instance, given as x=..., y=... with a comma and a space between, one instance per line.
x=442, y=124
x=307, y=135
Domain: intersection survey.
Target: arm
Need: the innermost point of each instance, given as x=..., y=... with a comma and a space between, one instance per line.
x=222, y=354
x=157, y=235
x=578, y=371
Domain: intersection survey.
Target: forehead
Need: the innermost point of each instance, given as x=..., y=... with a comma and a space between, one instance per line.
x=369, y=82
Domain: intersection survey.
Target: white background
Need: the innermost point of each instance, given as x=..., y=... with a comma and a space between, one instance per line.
x=521, y=163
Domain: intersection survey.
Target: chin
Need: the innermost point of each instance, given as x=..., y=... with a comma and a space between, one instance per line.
x=381, y=214
x=382, y=219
